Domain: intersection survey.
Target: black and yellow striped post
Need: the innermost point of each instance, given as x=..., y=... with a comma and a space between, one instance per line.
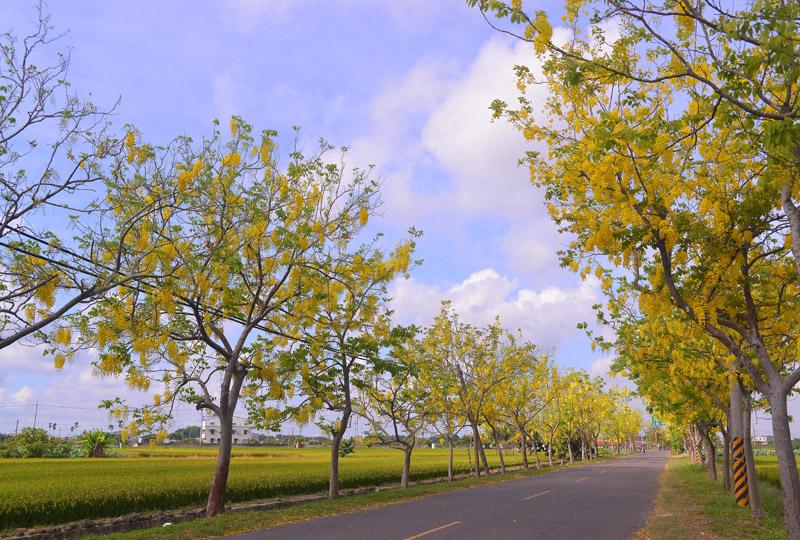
x=740, y=489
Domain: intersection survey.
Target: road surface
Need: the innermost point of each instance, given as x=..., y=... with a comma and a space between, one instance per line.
x=609, y=499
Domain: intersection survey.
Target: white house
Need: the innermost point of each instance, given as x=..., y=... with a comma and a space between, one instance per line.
x=210, y=431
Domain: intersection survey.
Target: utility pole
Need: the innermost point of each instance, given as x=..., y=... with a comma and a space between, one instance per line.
x=36, y=414
x=16, y=429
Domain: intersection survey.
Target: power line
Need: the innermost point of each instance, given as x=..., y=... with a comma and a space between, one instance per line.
x=32, y=405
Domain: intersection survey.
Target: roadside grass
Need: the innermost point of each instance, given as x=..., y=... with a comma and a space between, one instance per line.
x=691, y=505
x=239, y=522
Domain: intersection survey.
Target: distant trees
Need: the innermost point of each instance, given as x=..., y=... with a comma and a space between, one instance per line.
x=188, y=433
x=342, y=337
x=396, y=403
x=511, y=392
x=33, y=442
x=522, y=398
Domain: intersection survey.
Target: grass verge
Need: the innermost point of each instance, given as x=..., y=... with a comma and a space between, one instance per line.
x=691, y=505
x=238, y=522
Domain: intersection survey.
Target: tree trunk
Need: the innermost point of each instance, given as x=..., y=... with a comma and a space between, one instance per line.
x=583, y=449
x=483, y=456
x=569, y=450
x=790, y=483
x=550, y=452
x=450, y=460
x=338, y=435
x=536, y=454
x=726, y=459
x=756, y=510
x=524, y=448
x=711, y=453
x=219, y=483
x=499, y=452
x=333, y=483
x=476, y=441
x=406, y=466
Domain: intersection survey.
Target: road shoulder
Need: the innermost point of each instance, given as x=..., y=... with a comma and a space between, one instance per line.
x=691, y=505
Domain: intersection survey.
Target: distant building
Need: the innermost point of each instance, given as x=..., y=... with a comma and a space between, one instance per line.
x=763, y=439
x=145, y=440
x=210, y=431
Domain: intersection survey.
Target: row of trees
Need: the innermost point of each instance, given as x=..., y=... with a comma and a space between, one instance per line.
x=672, y=160
x=453, y=376
x=206, y=272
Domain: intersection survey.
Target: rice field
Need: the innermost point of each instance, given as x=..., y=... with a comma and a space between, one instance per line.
x=767, y=469
x=50, y=491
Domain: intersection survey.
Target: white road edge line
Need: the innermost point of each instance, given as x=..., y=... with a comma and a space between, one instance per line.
x=580, y=479
x=430, y=531
x=537, y=495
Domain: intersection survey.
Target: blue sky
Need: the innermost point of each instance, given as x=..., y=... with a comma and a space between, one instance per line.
x=405, y=84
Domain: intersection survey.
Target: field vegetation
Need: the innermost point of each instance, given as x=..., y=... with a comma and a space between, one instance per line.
x=48, y=491
x=767, y=469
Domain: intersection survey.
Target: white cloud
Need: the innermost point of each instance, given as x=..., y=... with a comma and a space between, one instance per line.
x=545, y=316
x=438, y=119
x=225, y=94
x=19, y=358
x=482, y=155
x=457, y=133
x=394, y=146
x=601, y=366
x=22, y=395
x=531, y=246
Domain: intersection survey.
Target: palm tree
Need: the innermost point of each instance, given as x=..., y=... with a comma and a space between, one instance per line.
x=94, y=443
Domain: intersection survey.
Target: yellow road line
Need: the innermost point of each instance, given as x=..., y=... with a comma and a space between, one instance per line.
x=425, y=533
x=580, y=479
x=537, y=495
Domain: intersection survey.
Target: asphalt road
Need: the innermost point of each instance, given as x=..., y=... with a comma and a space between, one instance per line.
x=609, y=499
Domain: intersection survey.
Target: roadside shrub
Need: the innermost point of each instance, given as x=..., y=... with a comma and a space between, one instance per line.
x=36, y=443
x=94, y=443
x=347, y=447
